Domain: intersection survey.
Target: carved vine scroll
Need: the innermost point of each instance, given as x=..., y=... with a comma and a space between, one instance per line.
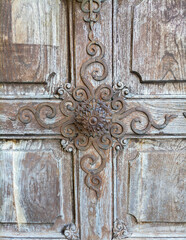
x=91, y=116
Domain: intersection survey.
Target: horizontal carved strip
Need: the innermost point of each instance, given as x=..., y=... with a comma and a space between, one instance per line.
x=156, y=107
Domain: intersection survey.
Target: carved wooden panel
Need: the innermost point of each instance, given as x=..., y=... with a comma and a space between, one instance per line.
x=30, y=42
x=158, y=52
x=63, y=174
x=151, y=173
x=154, y=195
x=35, y=184
x=127, y=35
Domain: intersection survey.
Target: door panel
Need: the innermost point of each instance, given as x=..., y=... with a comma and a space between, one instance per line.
x=158, y=52
x=155, y=64
x=36, y=199
x=36, y=185
x=149, y=175
x=150, y=184
x=114, y=64
x=31, y=47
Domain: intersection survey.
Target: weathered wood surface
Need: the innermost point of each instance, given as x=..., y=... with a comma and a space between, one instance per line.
x=95, y=214
x=158, y=108
x=150, y=187
x=35, y=185
x=125, y=34
x=159, y=30
x=45, y=42
x=33, y=43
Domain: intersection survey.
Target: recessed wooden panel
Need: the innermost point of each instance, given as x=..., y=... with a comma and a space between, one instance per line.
x=159, y=29
x=157, y=191
x=36, y=22
x=30, y=43
x=150, y=176
x=32, y=183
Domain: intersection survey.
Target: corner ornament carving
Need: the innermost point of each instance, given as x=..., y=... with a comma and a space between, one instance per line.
x=71, y=232
x=120, y=230
x=91, y=116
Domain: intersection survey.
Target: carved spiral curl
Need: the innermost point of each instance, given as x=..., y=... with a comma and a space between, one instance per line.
x=93, y=179
x=82, y=93
x=117, y=129
x=68, y=129
x=94, y=46
x=138, y=120
x=71, y=232
x=94, y=182
x=119, y=229
x=95, y=75
x=67, y=107
x=82, y=142
x=25, y=115
x=104, y=92
x=104, y=142
x=118, y=104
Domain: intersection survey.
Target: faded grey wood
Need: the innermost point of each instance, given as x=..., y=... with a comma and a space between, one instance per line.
x=33, y=46
x=35, y=186
x=122, y=54
x=150, y=184
x=158, y=50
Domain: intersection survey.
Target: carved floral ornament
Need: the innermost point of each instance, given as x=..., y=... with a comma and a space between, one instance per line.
x=92, y=117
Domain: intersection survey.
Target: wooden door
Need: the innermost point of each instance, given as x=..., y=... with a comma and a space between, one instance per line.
x=92, y=119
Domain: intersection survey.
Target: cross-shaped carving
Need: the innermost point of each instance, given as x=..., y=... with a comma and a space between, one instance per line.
x=92, y=117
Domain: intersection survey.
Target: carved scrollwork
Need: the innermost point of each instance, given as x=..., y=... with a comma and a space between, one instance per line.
x=71, y=232
x=95, y=49
x=93, y=8
x=94, y=118
x=120, y=230
x=67, y=145
x=91, y=117
x=150, y=122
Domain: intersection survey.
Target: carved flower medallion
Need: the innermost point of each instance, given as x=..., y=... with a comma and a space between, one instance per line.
x=93, y=118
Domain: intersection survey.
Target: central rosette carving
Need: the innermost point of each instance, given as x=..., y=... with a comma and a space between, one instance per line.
x=93, y=118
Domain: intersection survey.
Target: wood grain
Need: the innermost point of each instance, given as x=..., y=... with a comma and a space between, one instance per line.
x=150, y=196
x=95, y=214
x=123, y=53
x=156, y=107
x=158, y=52
x=37, y=189
x=42, y=46
x=30, y=42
